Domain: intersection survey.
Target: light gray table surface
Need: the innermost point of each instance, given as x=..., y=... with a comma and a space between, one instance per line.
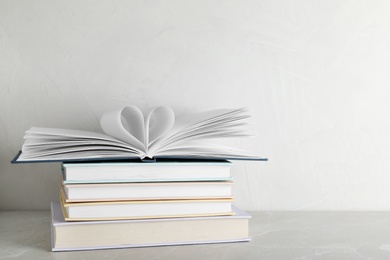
x=275, y=235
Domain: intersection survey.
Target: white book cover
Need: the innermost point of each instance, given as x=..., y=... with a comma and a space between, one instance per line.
x=147, y=191
x=114, y=210
x=92, y=235
x=103, y=172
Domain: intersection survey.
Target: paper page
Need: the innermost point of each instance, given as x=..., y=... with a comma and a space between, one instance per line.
x=59, y=132
x=126, y=124
x=210, y=124
x=55, y=143
x=202, y=149
x=158, y=122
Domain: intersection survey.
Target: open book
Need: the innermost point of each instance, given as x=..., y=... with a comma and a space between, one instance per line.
x=134, y=134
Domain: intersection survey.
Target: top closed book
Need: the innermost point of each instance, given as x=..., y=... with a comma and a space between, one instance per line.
x=160, y=171
x=132, y=134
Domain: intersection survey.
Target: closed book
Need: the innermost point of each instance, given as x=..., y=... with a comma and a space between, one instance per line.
x=165, y=170
x=147, y=191
x=113, y=210
x=90, y=235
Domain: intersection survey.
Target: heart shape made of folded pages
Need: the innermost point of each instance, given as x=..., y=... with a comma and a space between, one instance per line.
x=136, y=128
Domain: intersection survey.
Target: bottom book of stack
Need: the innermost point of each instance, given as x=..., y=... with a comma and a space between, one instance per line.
x=88, y=235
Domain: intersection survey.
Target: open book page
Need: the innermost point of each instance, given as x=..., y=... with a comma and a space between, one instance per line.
x=158, y=122
x=56, y=143
x=199, y=149
x=138, y=128
x=212, y=124
x=127, y=125
x=59, y=133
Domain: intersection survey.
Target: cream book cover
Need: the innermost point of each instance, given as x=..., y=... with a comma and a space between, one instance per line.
x=147, y=191
x=114, y=210
x=91, y=235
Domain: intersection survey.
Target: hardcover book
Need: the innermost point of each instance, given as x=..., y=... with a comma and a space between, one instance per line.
x=147, y=191
x=130, y=133
x=91, y=235
x=129, y=209
x=160, y=171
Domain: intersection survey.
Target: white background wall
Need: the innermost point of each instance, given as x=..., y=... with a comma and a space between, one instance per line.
x=315, y=75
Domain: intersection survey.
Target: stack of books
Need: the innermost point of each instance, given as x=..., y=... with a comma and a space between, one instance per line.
x=177, y=191
x=119, y=204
